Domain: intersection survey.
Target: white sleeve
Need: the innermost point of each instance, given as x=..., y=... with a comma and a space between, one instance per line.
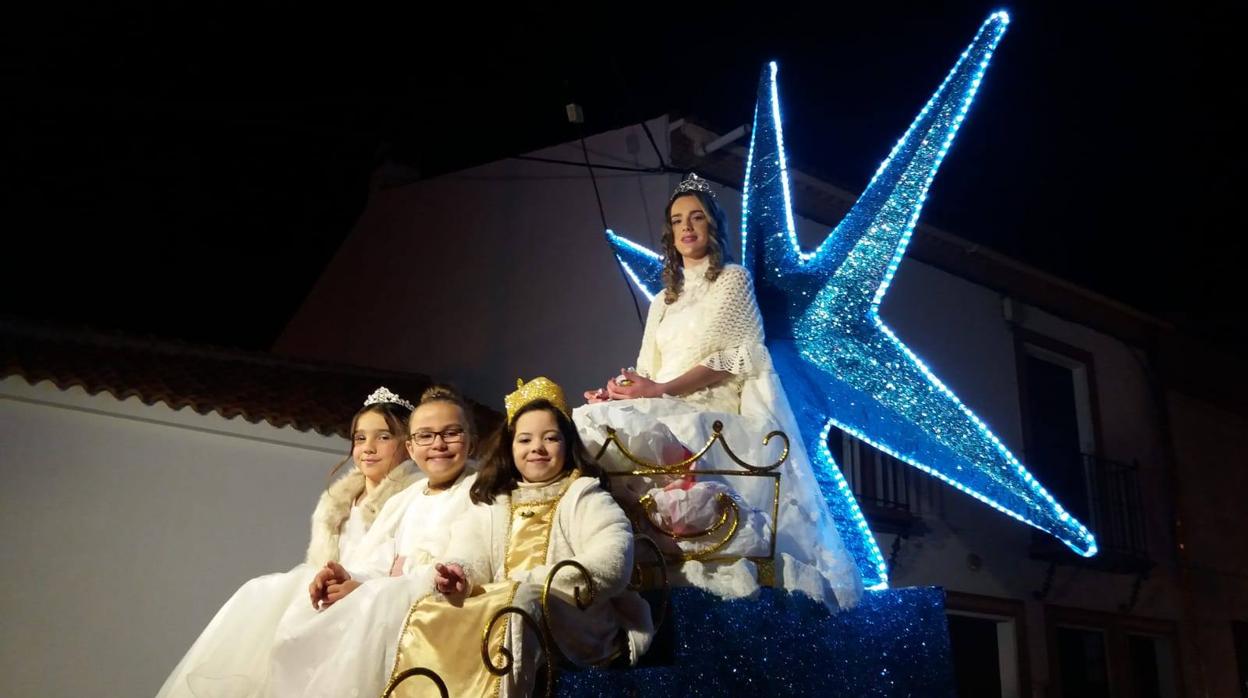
x=472, y=545
x=647, y=359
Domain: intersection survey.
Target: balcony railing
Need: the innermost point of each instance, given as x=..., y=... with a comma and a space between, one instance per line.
x=1115, y=506
x=1103, y=493
x=892, y=494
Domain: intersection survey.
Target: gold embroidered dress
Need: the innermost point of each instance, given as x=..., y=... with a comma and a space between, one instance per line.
x=506, y=550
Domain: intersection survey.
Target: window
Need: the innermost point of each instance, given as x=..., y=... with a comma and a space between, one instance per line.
x=1240, y=631
x=1083, y=666
x=1057, y=390
x=1094, y=654
x=989, y=646
x=1152, y=665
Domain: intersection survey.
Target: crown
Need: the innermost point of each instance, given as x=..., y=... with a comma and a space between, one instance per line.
x=693, y=183
x=540, y=388
x=383, y=395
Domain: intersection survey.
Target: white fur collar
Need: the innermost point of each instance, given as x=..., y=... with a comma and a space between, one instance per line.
x=335, y=506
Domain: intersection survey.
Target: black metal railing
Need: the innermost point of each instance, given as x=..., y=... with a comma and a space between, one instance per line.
x=1104, y=494
x=1115, y=506
x=892, y=494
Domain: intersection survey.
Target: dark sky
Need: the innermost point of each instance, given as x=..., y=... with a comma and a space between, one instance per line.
x=187, y=173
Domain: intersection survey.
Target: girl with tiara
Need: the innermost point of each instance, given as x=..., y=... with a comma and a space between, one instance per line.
x=541, y=501
x=341, y=640
x=703, y=360
x=231, y=656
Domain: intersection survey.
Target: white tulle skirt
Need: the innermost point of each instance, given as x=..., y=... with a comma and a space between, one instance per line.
x=231, y=657
x=267, y=641
x=349, y=648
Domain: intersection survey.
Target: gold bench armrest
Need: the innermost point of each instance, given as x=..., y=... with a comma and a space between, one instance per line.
x=416, y=671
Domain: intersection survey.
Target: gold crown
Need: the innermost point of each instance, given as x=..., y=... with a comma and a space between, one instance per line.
x=540, y=388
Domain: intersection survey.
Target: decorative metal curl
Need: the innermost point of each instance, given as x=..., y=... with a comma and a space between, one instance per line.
x=647, y=541
x=729, y=512
x=784, y=455
x=508, y=658
x=546, y=637
x=581, y=604
x=725, y=510
x=682, y=466
x=416, y=671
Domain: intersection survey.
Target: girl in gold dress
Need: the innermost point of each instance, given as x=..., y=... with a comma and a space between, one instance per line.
x=541, y=501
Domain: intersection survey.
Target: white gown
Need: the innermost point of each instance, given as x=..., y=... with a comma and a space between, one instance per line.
x=717, y=324
x=231, y=657
x=349, y=648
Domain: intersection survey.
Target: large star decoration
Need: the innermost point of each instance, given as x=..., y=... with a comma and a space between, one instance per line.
x=839, y=363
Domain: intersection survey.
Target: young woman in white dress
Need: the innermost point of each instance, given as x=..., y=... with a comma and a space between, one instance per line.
x=703, y=359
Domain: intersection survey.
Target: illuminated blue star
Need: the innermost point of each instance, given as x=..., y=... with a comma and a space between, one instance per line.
x=840, y=364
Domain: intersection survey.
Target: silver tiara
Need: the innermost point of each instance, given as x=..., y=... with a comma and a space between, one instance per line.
x=693, y=183
x=383, y=395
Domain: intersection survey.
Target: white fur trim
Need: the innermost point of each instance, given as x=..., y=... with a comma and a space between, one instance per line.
x=335, y=506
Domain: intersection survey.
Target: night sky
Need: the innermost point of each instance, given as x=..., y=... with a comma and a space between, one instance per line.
x=187, y=173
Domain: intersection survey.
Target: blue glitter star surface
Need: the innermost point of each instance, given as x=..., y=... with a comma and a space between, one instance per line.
x=894, y=643
x=839, y=363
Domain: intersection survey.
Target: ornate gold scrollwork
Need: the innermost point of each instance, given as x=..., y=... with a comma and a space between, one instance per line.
x=784, y=455
x=682, y=466
x=508, y=658
x=550, y=647
x=729, y=515
x=581, y=604
x=648, y=542
x=416, y=671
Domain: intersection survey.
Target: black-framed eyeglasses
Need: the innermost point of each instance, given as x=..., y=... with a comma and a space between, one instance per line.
x=450, y=435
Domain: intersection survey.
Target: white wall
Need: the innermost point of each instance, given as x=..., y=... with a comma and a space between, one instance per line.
x=126, y=527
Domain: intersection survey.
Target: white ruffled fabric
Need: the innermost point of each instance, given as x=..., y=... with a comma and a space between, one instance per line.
x=717, y=324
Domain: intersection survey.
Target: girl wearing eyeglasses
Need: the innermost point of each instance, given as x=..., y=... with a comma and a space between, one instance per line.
x=340, y=641
x=231, y=655
x=541, y=500
x=703, y=360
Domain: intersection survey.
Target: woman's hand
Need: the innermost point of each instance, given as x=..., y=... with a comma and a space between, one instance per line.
x=318, y=590
x=635, y=385
x=450, y=579
x=595, y=396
